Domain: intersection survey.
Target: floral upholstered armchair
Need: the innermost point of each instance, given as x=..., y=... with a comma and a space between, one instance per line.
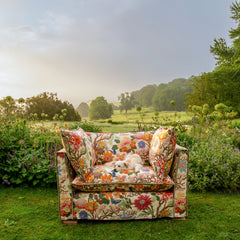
x=89, y=190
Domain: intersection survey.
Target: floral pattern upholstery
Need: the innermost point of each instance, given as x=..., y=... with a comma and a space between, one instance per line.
x=142, y=195
x=102, y=179
x=79, y=150
x=161, y=151
x=122, y=205
x=115, y=146
x=179, y=173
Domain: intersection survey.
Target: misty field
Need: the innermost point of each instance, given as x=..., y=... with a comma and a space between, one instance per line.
x=121, y=122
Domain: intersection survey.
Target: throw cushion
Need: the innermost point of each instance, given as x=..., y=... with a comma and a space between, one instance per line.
x=79, y=151
x=103, y=179
x=115, y=146
x=162, y=150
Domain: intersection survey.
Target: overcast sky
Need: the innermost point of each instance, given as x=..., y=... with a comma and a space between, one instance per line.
x=83, y=49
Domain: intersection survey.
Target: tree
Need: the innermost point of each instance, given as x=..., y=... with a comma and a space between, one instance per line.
x=173, y=91
x=83, y=109
x=9, y=107
x=143, y=97
x=147, y=94
x=126, y=102
x=100, y=109
x=48, y=103
x=204, y=91
x=223, y=83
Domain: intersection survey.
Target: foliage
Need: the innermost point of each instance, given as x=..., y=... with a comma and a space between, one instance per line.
x=174, y=91
x=28, y=153
x=10, y=107
x=30, y=166
x=214, y=165
x=100, y=109
x=185, y=140
x=222, y=84
x=83, y=109
x=13, y=134
x=126, y=102
x=45, y=106
x=143, y=97
x=87, y=126
x=49, y=104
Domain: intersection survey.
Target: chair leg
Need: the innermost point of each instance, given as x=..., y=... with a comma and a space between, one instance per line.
x=180, y=218
x=70, y=222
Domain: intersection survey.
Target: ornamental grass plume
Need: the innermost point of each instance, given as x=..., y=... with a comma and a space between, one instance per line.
x=21, y=142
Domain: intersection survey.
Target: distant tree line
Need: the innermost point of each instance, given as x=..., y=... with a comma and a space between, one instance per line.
x=160, y=96
x=45, y=106
x=157, y=96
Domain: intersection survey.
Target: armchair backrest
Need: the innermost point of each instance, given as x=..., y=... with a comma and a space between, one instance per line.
x=111, y=146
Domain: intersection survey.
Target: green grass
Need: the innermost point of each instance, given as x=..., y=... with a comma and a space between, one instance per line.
x=121, y=121
x=147, y=114
x=28, y=213
x=125, y=123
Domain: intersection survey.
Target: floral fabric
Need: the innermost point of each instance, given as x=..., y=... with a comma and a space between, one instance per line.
x=123, y=205
x=64, y=187
x=79, y=150
x=115, y=146
x=162, y=150
x=102, y=179
x=179, y=173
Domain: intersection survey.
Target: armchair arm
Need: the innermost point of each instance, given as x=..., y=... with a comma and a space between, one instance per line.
x=179, y=174
x=64, y=177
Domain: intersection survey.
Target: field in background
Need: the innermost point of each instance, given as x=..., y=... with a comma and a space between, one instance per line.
x=121, y=122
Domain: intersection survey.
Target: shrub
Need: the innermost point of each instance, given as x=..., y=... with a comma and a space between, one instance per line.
x=214, y=165
x=186, y=140
x=86, y=126
x=30, y=166
x=13, y=134
x=28, y=153
x=90, y=127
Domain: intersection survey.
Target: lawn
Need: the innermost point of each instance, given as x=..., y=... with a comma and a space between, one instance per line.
x=32, y=213
x=122, y=122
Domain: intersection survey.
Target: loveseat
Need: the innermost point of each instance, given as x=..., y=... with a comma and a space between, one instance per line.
x=88, y=189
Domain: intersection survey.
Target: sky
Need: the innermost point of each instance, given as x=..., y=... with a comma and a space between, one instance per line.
x=82, y=49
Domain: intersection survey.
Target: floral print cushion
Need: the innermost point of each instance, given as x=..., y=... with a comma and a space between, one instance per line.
x=103, y=179
x=79, y=150
x=115, y=146
x=162, y=150
x=122, y=205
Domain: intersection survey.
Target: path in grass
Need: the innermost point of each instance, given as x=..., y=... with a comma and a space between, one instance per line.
x=28, y=213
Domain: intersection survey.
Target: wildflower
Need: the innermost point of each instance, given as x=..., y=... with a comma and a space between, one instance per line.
x=5, y=181
x=65, y=124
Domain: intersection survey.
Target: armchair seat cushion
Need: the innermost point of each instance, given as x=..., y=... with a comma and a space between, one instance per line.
x=102, y=179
